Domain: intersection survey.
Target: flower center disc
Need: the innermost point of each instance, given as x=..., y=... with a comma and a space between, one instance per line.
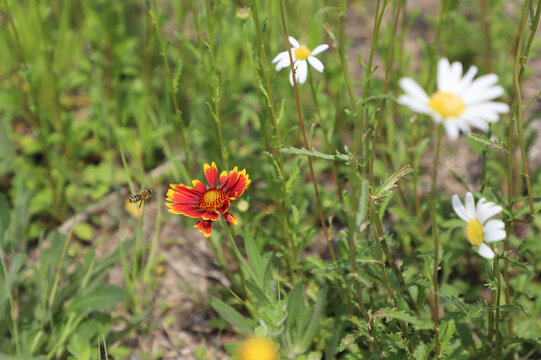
x=446, y=104
x=474, y=232
x=302, y=52
x=212, y=199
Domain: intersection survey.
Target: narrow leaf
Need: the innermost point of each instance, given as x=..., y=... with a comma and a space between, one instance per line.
x=231, y=315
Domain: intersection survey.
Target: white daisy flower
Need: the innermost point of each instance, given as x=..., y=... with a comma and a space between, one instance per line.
x=479, y=231
x=459, y=102
x=302, y=56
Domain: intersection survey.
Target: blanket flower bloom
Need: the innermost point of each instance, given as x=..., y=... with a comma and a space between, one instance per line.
x=459, y=102
x=302, y=56
x=208, y=203
x=479, y=231
x=257, y=348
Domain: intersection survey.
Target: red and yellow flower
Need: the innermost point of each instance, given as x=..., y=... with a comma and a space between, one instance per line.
x=208, y=203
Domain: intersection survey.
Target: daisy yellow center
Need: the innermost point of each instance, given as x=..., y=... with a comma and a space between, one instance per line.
x=257, y=349
x=212, y=200
x=302, y=52
x=446, y=104
x=474, y=232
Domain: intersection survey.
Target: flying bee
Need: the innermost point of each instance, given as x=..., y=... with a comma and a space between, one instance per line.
x=142, y=197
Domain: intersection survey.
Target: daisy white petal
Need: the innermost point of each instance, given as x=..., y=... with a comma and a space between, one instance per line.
x=302, y=71
x=462, y=125
x=280, y=56
x=467, y=79
x=493, y=225
x=282, y=64
x=496, y=235
x=294, y=42
x=451, y=130
x=477, y=123
x=470, y=205
x=413, y=89
x=319, y=49
x=443, y=70
x=452, y=79
x=488, y=213
x=485, y=251
x=316, y=64
x=488, y=94
x=414, y=104
x=291, y=77
x=460, y=209
x=480, y=84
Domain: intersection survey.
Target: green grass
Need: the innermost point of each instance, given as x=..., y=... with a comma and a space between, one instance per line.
x=94, y=95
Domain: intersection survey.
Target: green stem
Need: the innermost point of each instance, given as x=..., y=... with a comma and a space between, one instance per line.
x=433, y=195
x=415, y=182
x=488, y=66
x=521, y=55
x=520, y=62
x=307, y=146
x=177, y=115
x=287, y=238
x=378, y=237
x=388, y=65
x=59, y=267
x=221, y=261
x=380, y=11
x=327, y=140
x=216, y=96
x=152, y=255
x=13, y=311
x=237, y=256
x=358, y=151
x=497, y=310
x=358, y=124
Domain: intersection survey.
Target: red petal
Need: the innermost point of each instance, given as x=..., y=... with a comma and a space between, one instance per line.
x=211, y=216
x=211, y=173
x=223, y=177
x=205, y=226
x=188, y=210
x=240, y=186
x=185, y=190
x=231, y=180
x=224, y=208
x=231, y=218
x=200, y=186
x=181, y=198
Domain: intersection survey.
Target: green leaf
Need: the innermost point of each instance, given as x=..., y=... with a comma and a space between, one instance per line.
x=84, y=231
x=5, y=216
x=294, y=176
x=51, y=257
x=315, y=320
x=295, y=307
x=231, y=315
x=176, y=76
x=315, y=153
x=254, y=258
x=402, y=315
x=391, y=182
x=100, y=299
x=79, y=348
x=258, y=292
x=448, y=332
x=486, y=141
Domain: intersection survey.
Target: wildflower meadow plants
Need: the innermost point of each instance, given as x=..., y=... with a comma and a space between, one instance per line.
x=388, y=206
